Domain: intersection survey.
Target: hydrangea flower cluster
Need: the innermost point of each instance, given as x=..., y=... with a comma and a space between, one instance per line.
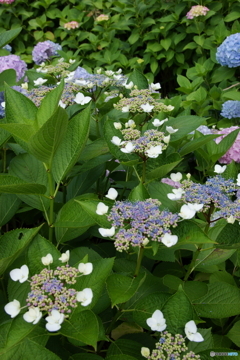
x=170, y=347
x=233, y=154
x=141, y=101
x=51, y=292
x=44, y=51
x=71, y=25
x=86, y=80
x=149, y=145
x=141, y=221
x=197, y=10
x=216, y=191
x=102, y=17
x=228, y=52
x=13, y=62
x=231, y=109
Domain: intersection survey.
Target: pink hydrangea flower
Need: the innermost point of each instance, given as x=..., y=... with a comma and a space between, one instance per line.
x=102, y=17
x=71, y=25
x=6, y=1
x=234, y=152
x=197, y=10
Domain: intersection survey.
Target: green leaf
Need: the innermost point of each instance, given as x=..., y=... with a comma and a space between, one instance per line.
x=221, y=301
x=9, y=204
x=185, y=125
x=19, y=109
x=234, y=333
x=166, y=43
x=225, y=145
x=195, y=144
x=189, y=232
x=93, y=150
x=38, y=248
x=232, y=16
x=171, y=162
x=139, y=193
x=125, y=346
x=133, y=37
x=158, y=190
x=184, y=82
x=231, y=95
x=90, y=208
x=121, y=357
x=95, y=281
x=215, y=257
x=176, y=319
x=222, y=73
x=14, y=185
x=7, y=36
x=8, y=77
x=45, y=142
x=49, y=104
x=121, y=288
x=83, y=327
x=29, y=169
x=70, y=149
x=229, y=236
x=138, y=79
x=146, y=306
x=19, y=131
x=13, y=243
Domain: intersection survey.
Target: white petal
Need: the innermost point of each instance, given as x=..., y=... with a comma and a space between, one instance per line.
x=197, y=337
x=102, y=209
x=53, y=327
x=107, y=232
x=65, y=256
x=195, y=207
x=13, y=308
x=169, y=240
x=176, y=176
x=86, y=268
x=186, y=212
x=47, y=260
x=219, y=169
x=112, y=194
x=128, y=148
x=171, y=130
x=116, y=140
x=85, y=296
x=145, y=352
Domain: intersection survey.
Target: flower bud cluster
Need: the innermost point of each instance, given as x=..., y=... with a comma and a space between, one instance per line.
x=170, y=347
x=141, y=101
x=141, y=221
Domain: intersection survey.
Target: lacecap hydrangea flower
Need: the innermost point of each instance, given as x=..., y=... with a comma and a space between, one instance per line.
x=228, y=53
x=231, y=109
x=44, y=50
x=233, y=154
x=13, y=62
x=196, y=11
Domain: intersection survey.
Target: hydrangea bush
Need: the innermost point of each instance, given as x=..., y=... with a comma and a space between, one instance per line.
x=119, y=223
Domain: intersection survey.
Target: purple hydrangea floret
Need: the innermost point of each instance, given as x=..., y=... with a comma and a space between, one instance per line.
x=13, y=62
x=228, y=53
x=44, y=50
x=231, y=109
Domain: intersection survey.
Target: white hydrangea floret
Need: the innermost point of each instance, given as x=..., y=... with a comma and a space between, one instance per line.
x=154, y=151
x=62, y=104
x=54, y=321
x=33, y=315
x=107, y=232
x=218, y=169
x=47, y=260
x=176, y=176
x=116, y=141
x=129, y=85
x=112, y=194
x=171, y=130
x=81, y=99
x=157, y=122
x=117, y=125
x=85, y=268
x=39, y=81
x=102, y=208
x=157, y=321
x=177, y=194
x=145, y=352
x=13, y=308
x=85, y=296
x=129, y=147
x=20, y=275
x=156, y=86
x=65, y=256
x=125, y=109
x=191, y=332
x=231, y=219
x=147, y=107
x=169, y=240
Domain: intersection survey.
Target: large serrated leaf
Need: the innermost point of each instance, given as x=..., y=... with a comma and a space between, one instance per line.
x=171, y=162
x=121, y=288
x=234, y=333
x=70, y=149
x=43, y=145
x=49, y=104
x=13, y=185
x=28, y=168
x=13, y=243
x=19, y=109
x=7, y=36
x=90, y=208
x=176, y=319
x=9, y=204
x=83, y=327
x=138, y=79
x=221, y=301
x=21, y=131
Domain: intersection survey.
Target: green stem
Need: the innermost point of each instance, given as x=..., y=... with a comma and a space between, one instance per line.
x=51, y=207
x=137, y=173
x=192, y=264
x=4, y=159
x=144, y=172
x=139, y=260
